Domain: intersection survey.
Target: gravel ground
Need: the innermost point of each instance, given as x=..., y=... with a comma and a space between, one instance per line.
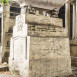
x=4, y=75
x=7, y=74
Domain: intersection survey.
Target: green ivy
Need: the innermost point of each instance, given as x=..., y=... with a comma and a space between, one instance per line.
x=4, y=1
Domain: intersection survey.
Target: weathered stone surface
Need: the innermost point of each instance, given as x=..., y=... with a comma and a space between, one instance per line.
x=46, y=31
x=43, y=30
x=43, y=20
x=48, y=48
x=39, y=56
x=44, y=57
x=20, y=28
x=45, y=4
x=8, y=24
x=48, y=57
x=49, y=68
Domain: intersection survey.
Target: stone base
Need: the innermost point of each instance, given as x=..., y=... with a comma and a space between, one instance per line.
x=40, y=57
x=42, y=68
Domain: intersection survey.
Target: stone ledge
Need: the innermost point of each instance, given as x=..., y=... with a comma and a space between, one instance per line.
x=43, y=20
x=46, y=31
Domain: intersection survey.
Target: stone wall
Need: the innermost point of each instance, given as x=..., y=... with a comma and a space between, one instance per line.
x=48, y=57
x=8, y=24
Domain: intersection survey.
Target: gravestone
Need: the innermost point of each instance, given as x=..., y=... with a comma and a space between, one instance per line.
x=39, y=47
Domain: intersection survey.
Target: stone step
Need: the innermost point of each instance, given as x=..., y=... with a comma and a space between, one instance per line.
x=4, y=67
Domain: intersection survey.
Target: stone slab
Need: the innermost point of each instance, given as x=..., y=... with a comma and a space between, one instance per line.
x=49, y=57
x=18, y=48
x=45, y=4
x=45, y=31
x=43, y=20
x=41, y=48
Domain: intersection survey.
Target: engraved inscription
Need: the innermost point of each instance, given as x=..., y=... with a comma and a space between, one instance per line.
x=48, y=47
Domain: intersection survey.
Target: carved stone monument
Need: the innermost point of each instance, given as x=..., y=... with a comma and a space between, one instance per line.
x=39, y=46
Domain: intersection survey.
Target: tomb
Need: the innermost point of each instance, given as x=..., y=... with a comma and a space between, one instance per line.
x=40, y=43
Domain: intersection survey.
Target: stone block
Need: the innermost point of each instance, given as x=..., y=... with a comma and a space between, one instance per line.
x=45, y=31
x=48, y=47
x=43, y=57
x=43, y=20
